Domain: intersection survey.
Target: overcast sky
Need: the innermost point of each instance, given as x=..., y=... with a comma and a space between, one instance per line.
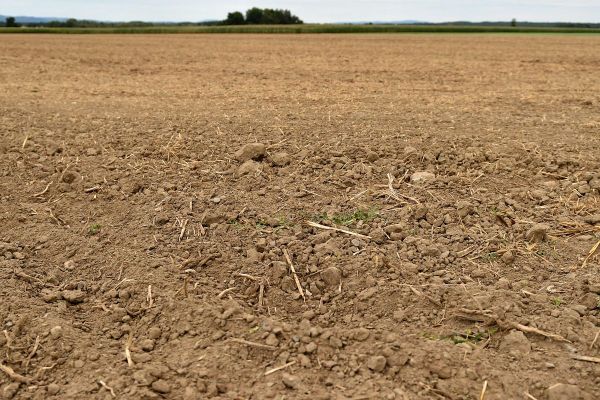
x=312, y=10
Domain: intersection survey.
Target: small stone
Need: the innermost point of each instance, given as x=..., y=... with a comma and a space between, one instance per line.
x=309, y=314
x=147, y=344
x=272, y=340
x=50, y=296
x=304, y=361
x=538, y=233
x=395, y=228
x=515, y=343
x=278, y=270
x=10, y=390
x=280, y=159
x=503, y=283
x=251, y=151
x=332, y=276
x=592, y=219
x=248, y=167
x=53, y=388
x=154, y=332
x=368, y=293
x=290, y=381
x=372, y=156
x=422, y=176
x=73, y=296
x=191, y=393
x=562, y=391
x=360, y=334
x=311, y=347
x=580, y=308
x=335, y=342
x=69, y=265
x=377, y=363
x=508, y=257
x=56, y=332
x=161, y=386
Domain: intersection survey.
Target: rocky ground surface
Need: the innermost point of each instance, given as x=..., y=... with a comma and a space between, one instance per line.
x=300, y=217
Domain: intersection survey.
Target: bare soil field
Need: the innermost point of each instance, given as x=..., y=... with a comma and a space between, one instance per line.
x=300, y=217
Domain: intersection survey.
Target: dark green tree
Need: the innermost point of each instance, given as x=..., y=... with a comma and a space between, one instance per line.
x=513, y=22
x=235, y=18
x=10, y=22
x=254, y=16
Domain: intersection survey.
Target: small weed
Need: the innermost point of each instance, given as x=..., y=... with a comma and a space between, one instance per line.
x=472, y=336
x=319, y=218
x=260, y=225
x=94, y=229
x=491, y=256
x=556, y=301
x=346, y=219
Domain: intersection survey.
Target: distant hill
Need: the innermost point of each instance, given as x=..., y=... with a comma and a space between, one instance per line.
x=32, y=20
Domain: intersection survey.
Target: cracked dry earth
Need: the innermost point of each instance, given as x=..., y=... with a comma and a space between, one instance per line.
x=152, y=189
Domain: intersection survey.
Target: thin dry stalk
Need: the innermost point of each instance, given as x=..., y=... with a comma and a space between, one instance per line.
x=269, y=372
x=253, y=344
x=482, y=396
x=586, y=358
x=13, y=375
x=591, y=254
x=419, y=293
x=394, y=193
x=261, y=294
x=488, y=316
x=224, y=292
x=289, y=260
x=529, y=396
x=183, y=227
x=127, y=352
x=595, y=340
x=105, y=386
x=149, y=298
x=43, y=191
x=26, y=362
x=330, y=228
x=253, y=278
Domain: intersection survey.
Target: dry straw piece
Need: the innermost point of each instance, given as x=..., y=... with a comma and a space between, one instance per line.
x=330, y=228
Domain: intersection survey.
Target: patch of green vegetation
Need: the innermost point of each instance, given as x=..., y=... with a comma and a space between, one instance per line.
x=470, y=337
x=346, y=219
x=556, y=301
x=491, y=256
x=94, y=229
x=320, y=217
x=260, y=225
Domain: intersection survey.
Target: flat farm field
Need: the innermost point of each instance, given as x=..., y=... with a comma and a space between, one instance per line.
x=300, y=217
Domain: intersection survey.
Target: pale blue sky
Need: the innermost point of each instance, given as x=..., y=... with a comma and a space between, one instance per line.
x=313, y=10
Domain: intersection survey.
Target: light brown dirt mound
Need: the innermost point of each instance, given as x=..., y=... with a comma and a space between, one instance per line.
x=166, y=205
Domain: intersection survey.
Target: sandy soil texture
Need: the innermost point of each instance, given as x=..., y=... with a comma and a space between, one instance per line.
x=300, y=217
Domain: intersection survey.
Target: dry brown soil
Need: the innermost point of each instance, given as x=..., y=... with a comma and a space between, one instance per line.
x=133, y=219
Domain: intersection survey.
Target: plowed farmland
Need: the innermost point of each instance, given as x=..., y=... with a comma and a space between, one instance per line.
x=300, y=217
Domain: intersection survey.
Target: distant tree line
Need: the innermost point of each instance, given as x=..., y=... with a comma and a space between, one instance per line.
x=262, y=16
